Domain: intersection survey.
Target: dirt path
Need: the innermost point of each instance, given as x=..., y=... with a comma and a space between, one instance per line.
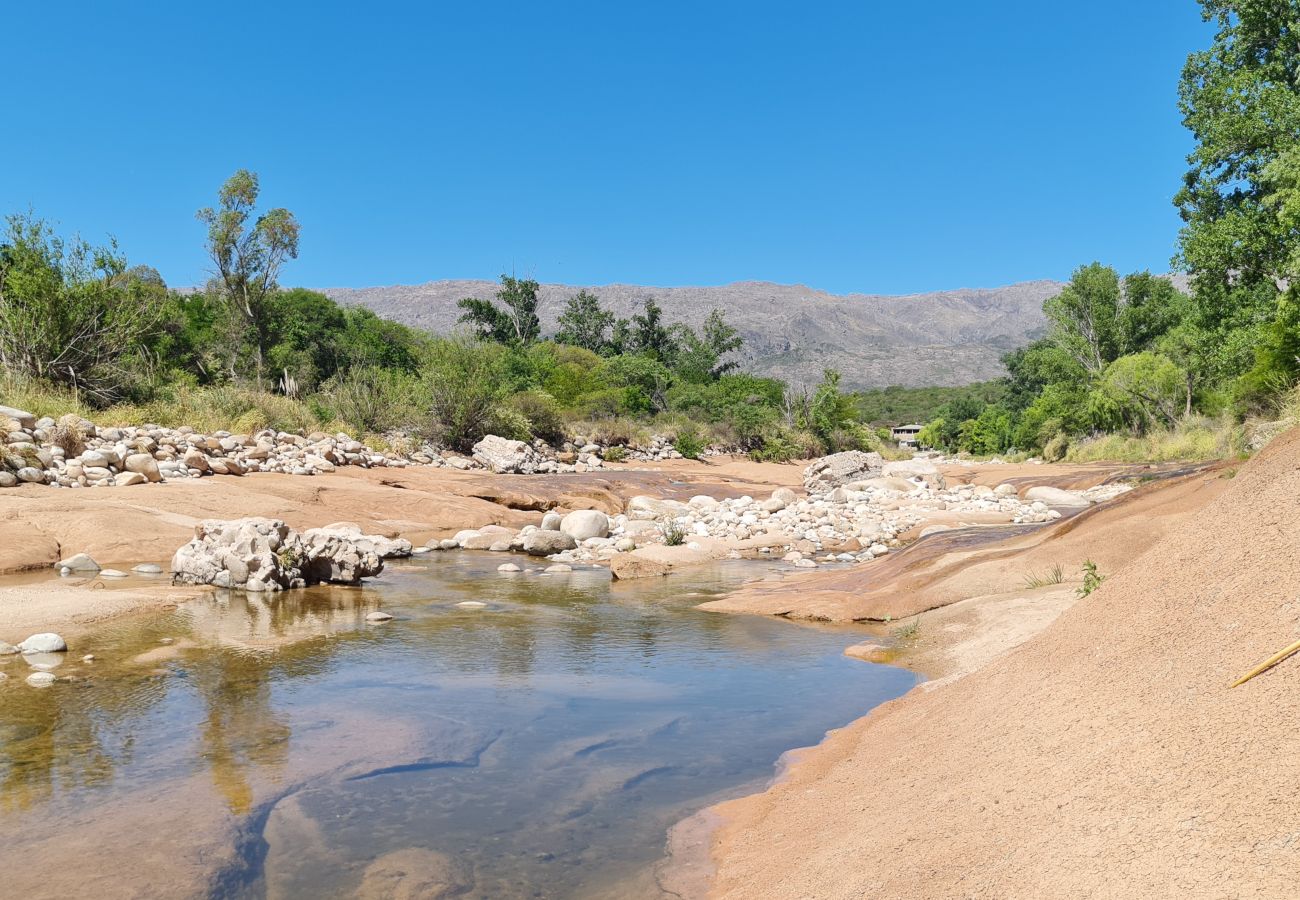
x=1105, y=757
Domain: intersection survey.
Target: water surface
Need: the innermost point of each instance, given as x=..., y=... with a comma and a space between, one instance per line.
x=544, y=741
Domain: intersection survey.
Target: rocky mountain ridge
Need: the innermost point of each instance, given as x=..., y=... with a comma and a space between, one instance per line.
x=791, y=332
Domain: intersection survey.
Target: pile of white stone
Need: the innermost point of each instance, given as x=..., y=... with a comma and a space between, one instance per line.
x=260, y=554
x=838, y=521
x=74, y=453
x=508, y=457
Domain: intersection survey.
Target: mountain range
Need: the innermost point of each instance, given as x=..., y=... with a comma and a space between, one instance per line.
x=791, y=332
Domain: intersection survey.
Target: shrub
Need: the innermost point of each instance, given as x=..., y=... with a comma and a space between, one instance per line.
x=542, y=414
x=69, y=435
x=674, y=534
x=614, y=454
x=1092, y=579
x=461, y=380
x=1055, y=449
x=688, y=442
x=371, y=399
x=782, y=444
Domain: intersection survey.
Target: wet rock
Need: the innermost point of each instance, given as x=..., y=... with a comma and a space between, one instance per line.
x=508, y=567
x=45, y=642
x=628, y=565
x=41, y=679
x=112, y=573
x=559, y=568
x=80, y=562
x=584, y=524
x=378, y=616
x=544, y=543
x=147, y=569
x=414, y=874
x=340, y=557
x=8, y=649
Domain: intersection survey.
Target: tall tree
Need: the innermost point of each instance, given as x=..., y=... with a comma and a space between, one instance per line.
x=248, y=258
x=1084, y=317
x=514, y=321
x=585, y=323
x=1241, y=100
x=648, y=334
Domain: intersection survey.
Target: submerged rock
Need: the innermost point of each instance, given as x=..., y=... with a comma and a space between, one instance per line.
x=414, y=874
x=41, y=679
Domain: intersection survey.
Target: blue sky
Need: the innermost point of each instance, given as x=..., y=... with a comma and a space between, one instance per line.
x=877, y=147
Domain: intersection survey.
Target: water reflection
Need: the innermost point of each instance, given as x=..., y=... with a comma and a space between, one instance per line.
x=545, y=740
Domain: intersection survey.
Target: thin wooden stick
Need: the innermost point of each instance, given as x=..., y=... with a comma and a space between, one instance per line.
x=1268, y=663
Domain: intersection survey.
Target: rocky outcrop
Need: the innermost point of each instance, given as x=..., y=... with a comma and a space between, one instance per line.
x=829, y=472
x=260, y=554
x=506, y=457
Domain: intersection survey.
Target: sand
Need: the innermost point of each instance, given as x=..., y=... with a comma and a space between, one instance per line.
x=1104, y=757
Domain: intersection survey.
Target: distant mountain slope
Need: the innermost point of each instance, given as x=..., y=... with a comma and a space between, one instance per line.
x=791, y=331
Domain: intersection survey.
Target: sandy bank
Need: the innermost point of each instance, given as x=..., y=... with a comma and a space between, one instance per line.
x=1106, y=756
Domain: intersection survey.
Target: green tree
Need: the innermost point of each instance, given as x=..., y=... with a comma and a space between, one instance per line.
x=1241, y=100
x=1146, y=388
x=1084, y=317
x=69, y=312
x=248, y=258
x=585, y=323
x=647, y=334
x=514, y=321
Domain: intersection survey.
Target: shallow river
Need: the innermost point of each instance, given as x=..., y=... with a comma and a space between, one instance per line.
x=541, y=744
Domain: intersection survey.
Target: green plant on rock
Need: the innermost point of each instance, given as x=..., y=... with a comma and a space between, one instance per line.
x=1092, y=579
x=1054, y=575
x=673, y=533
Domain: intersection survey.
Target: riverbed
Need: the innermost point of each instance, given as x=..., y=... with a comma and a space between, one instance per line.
x=504, y=735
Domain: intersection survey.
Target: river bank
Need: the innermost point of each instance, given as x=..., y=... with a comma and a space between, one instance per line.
x=976, y=573
x=1105, y=755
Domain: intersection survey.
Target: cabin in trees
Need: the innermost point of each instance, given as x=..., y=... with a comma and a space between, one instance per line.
x=905, y=435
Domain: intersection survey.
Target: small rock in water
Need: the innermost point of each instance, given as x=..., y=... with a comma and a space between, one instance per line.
x=112, y=573
x=46, y=642
x=417, y=551
x=147, y=569
x=165, y=640
x=89, y=657
x=378, y=616
x=8, y=649
x=471, y=604
x=508, y=567
x=558, y=568
x=805, y=563
x=41, y=679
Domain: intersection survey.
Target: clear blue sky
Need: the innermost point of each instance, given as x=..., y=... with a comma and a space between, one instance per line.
x=856, y=146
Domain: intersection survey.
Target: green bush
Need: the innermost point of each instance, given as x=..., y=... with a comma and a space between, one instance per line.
x=542, y=414
x=688, y=442
x=370, y=399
